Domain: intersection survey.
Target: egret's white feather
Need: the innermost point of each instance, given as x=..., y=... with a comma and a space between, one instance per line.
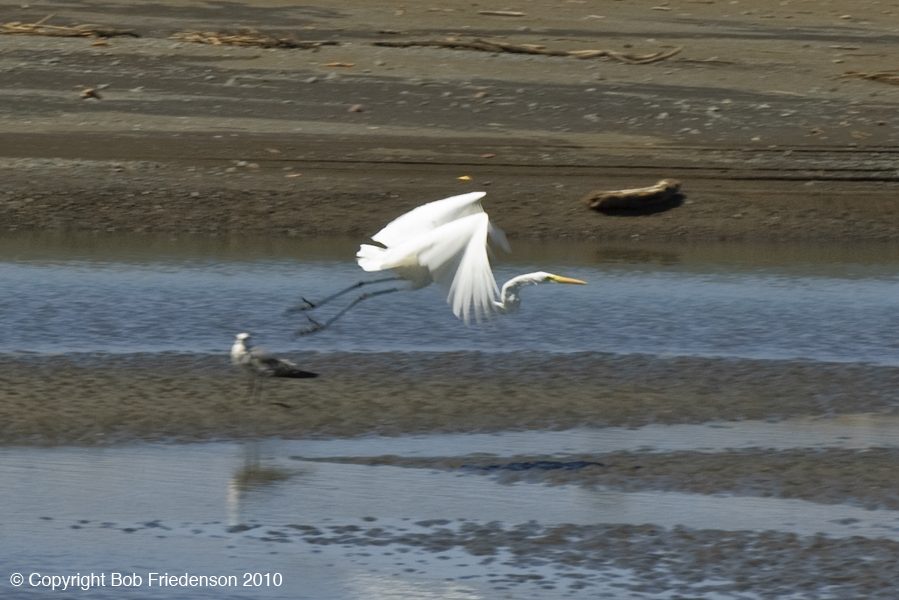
x=428, y=217
x=370, y=258
x=457, y=260
x=498, y=236
x=453, y=255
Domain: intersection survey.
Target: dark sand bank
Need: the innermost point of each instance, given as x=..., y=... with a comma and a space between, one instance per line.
x=754, y=115
x=829, y=476
x=103, y=399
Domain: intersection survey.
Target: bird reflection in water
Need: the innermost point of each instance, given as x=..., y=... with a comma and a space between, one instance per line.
x=252, y=475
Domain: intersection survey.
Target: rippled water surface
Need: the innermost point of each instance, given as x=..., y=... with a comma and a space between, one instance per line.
x=231, y=508
x=86, y=294
x=199, y=509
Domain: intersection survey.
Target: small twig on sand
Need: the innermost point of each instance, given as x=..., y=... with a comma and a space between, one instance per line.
x=501, y=13
x=88, y=93
x=884, y=77
x=247, y=39
x=39, y=28
x=491, y=46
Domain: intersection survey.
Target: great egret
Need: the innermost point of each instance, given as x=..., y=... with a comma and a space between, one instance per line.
x=443, y=242
x=257, y=365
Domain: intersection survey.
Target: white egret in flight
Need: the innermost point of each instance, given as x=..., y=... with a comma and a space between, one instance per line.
x=443, y=242
x=257, y=365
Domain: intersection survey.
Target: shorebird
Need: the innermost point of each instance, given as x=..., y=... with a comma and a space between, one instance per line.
x=443, y=242
x=258, y=365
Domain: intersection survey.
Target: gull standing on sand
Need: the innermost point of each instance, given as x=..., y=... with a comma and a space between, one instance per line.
x=258, y=365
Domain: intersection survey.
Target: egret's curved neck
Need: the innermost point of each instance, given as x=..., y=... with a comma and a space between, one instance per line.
x=510, y=298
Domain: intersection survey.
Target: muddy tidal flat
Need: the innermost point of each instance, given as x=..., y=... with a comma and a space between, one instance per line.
x=714, y=416
x=778, y=119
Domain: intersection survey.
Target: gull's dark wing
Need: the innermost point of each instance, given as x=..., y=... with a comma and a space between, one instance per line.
x=279, y=367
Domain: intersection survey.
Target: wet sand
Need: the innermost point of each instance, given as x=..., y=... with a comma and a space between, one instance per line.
x=100, y=400
x=830, y=476
x=689, y=561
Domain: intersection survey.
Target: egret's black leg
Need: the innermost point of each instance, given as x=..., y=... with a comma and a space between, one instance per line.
x=307, y=305
x=319, y=326
x=313, y=327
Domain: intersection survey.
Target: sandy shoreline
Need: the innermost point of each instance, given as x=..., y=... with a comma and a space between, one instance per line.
x=753, y=115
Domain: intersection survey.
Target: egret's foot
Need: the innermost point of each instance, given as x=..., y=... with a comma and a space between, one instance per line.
x=315, y=326
x=306, y=305
x=307, y=331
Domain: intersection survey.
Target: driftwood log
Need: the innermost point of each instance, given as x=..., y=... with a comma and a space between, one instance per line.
x=884, y=77
x=633, y=199
x=493, y=46
x=41, y=28
x=251, y=39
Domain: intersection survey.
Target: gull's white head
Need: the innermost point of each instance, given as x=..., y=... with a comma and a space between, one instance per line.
x=239, y=350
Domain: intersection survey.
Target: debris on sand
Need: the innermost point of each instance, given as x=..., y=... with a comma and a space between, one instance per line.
x=41, y=28
x=90, y=93
x=501, y=13
x=637, y=198
x=883, y=77
x=493, y=46
x=248, y=38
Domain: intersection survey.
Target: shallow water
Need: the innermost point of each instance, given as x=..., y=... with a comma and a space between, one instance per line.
x=79, y=295
x=171, y=508
x=174, y=508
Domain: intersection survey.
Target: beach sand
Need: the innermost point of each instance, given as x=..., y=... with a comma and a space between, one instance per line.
x=753, y=115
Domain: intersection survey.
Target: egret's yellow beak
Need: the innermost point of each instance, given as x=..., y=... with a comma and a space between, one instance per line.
x=559, y=279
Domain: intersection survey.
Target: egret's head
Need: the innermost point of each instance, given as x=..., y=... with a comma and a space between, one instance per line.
x=550, y=278
x=509, y=296
x=243, y=336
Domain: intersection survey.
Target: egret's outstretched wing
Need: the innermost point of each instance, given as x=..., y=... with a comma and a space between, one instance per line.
x=498, y=236
x=473, y=290
x=428, y=217
x=453, y=255
x=458, y=262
